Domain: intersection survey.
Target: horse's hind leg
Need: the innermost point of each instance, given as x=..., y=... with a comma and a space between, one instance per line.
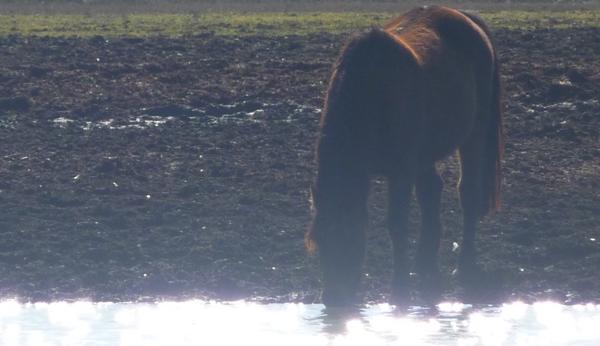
x=400, y=189
x=429, y=191
x=471, y=198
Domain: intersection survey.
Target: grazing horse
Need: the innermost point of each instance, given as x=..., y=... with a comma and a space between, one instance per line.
x=399, y=99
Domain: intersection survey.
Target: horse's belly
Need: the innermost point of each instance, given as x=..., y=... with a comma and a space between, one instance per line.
x=450, y=109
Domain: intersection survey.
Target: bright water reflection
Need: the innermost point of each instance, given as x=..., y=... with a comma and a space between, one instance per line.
x=239, y=323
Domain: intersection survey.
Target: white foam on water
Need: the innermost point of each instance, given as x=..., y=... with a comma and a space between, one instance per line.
x=199, y=322
x=140, y=122
x=221, y=114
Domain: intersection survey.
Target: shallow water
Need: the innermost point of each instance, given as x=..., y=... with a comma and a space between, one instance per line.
x=214, y=114
x=210, y=323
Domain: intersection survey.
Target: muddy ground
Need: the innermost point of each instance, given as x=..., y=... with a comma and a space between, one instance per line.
x=140, y=169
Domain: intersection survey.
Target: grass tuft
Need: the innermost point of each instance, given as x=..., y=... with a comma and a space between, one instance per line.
x=265, y=23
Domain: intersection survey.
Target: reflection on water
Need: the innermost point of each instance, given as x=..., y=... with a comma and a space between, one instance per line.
x=238, y=323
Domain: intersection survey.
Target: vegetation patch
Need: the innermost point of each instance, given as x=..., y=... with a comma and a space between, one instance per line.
x=264, y=23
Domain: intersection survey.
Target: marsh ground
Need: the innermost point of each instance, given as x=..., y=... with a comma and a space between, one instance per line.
x=154, y=167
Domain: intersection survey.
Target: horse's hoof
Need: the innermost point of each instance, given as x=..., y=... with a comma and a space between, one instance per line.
x=338, y=299
x=400, y=296
x=430, y=287
x=335, y=318
x=479, y=285
x=469, y=273
x=468, y=270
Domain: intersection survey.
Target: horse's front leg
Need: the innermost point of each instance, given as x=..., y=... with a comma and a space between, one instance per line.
x=400, y=190
x=429, y=190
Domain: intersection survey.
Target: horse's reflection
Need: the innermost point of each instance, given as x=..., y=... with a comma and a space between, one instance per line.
x=335, y=319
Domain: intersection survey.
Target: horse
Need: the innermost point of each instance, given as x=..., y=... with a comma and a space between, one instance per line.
x=401, y=98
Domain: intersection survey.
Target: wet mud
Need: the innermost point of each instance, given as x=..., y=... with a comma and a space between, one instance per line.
x=170, y=168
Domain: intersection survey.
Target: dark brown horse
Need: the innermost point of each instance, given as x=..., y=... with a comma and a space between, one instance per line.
x=399, y=99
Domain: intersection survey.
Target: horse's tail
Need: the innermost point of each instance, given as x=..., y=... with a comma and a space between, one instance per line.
x=494, y=147
x=495, y=144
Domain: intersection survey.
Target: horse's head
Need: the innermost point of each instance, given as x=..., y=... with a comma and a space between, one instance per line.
x=340, y=249
x=340, y=285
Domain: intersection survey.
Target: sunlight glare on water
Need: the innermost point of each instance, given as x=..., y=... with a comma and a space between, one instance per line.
x=210, y=323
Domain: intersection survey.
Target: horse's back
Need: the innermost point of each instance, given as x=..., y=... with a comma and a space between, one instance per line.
x=455, y=56
x=432, y=31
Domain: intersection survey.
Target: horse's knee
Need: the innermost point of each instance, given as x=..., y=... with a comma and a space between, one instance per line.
x=400, y=189
x=471, y=199
x=468, y=187
x=429, y=188
x=436, y=184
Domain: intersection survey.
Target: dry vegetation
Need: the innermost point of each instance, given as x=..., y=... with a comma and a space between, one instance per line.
x=193, y=6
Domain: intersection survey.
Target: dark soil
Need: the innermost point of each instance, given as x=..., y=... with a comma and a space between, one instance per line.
x=160, y=168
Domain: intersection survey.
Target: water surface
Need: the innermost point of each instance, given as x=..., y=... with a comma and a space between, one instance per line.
x=243, y=323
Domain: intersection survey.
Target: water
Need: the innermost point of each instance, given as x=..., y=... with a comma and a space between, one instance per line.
x=242, y=323
x=139, y=122
x=215, y=114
